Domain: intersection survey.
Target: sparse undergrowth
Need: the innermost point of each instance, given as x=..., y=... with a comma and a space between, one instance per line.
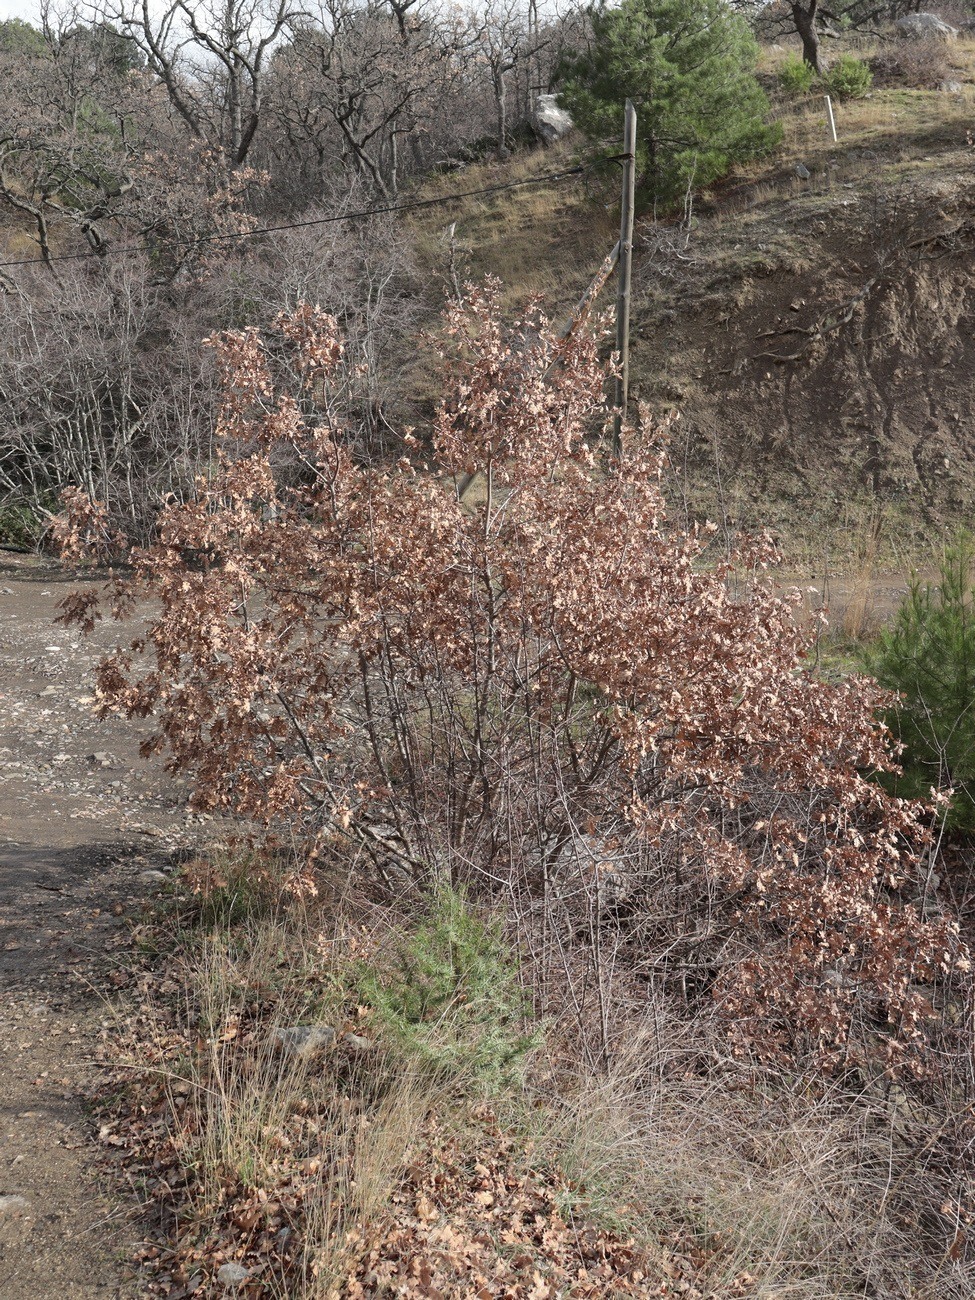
x=353, y=1170
x=370, y=1163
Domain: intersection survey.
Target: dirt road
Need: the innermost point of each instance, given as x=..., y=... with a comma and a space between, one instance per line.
x=87, y=831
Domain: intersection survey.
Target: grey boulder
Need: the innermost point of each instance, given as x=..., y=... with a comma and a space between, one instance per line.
x=303, y=1041
x=232, y=1274
x=925, y=27
x=549, y=122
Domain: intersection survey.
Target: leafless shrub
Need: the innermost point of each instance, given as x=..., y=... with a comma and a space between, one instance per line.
x=107, y=386
x=91, y=397
x=923, y=65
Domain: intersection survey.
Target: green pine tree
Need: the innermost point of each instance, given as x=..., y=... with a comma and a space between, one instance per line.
x=452, y=997
x=21, y=39
x=688, y=67
x=928, y=655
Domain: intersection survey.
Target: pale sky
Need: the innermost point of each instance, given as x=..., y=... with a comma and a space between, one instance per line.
x=26, y=9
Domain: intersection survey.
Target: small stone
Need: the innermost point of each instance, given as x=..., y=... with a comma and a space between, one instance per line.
x=152, y=877
x=102, y=758
x=358, y=1043
x=303, y=1041
x=14, y=1220
x=802, y=171
x=232, y=1274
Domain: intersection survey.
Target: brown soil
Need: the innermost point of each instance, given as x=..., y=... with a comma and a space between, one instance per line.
x=77, y=833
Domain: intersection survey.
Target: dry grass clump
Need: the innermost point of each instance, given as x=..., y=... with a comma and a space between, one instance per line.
x=769, y=1183
x=922, y=65
x=353, y=1169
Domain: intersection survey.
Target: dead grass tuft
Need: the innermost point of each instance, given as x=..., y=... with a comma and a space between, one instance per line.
x=347, y=1171
x=920, y=65
x=666, y=1170
x=806, y=1193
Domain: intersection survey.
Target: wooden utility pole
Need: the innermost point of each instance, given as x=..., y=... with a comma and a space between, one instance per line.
x=622, y=386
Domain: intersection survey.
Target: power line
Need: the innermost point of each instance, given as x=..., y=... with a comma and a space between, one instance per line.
x=316, y=221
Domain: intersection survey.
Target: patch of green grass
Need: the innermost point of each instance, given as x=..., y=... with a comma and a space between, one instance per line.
x=837, y=656
x=226, y=890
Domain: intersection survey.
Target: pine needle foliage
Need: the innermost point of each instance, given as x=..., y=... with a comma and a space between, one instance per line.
x=928, y=656
x=796, y=77
x=688, y=66
x=451, y=997
x=848, y=78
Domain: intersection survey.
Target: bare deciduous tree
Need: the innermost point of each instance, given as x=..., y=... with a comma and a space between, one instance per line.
x=212, y=57
x=64, y=146
x=504, y=39
x=361, y=78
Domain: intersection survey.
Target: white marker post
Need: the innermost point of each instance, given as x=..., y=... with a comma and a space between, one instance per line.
x=829, y=114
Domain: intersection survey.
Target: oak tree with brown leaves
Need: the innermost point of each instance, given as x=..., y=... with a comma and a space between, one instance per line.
x=557, y=692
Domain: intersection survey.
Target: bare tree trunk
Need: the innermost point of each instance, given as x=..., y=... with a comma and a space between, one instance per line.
x=805, y=20
x=501, y=103
x=236, y=116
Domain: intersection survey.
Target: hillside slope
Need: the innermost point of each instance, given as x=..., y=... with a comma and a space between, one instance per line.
x=826, y=375
x=815, y=334
x=811, y=318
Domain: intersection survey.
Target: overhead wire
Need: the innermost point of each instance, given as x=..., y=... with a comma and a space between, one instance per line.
x=331, y=219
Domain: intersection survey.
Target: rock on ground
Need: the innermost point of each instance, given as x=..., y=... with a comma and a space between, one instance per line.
x=303, y=1041
x=550, y=122
x=925, y=27
x=232, y=1274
